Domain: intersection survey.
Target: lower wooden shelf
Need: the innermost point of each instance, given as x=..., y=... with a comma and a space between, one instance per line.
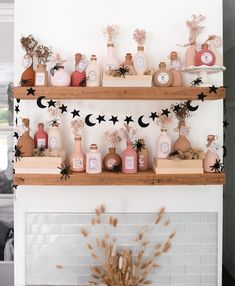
x=110, y=178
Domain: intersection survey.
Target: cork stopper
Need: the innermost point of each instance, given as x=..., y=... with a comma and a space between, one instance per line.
x=140, y=48
x=25, y=122
x=93, y=58
x=93, y=147
x=162, y=65
x=205, y=46
x=128, y=57
x=78, y=57
x=142, y=141
x=163, y=129
x=78, y=137
x=173, y=56
x=40, y=125
x=110, y=45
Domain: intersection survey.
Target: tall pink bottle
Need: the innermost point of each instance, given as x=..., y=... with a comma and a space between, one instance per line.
x=129, y=160
x=175, y=70
x=211, y=154
x=190, y=54
x=78, y=158
x=41, y=137
x=78, y=76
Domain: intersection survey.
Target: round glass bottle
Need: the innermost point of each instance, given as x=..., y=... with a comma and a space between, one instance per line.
x=162, y=77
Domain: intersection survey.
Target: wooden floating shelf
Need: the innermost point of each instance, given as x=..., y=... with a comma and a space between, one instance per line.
x=108, y=179
x=119, y=93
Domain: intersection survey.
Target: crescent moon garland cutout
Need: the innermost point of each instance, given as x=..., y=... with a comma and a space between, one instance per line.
x=39, y=102
x=88, y=122
x=190, y=107
x=141, y=123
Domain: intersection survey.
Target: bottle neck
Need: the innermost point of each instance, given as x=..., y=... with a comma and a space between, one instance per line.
x=78, y=145
x=110, y=50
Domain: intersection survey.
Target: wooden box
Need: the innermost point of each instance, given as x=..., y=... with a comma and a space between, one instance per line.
x=168, y=166
x=128, y=81
x=38, y=165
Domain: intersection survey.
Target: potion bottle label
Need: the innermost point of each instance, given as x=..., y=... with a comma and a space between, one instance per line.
x=206, y=58
x=129, y=162
x=165, y=148
x=92, y=76
x=141, y=160
x=93, y=164
x=52, y=142
x=140, y=62
x=82, y=65
x=78, y=163
x=40, y=78
x=41, y=143
x=163, y=77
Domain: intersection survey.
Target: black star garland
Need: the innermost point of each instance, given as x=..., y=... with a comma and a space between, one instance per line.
x=201, y=96
x=13, y=171
x=75, y=113
x=63, y=108
x=177, y=108
x=128, y=119
x=16, y=121
x=100, y=118
x=16, y=135
x=217, y=167
x=65, y=172
x=213, y=89
x=114, y=119
x=31, y=91
x=225, y=123
x=153, y=115
x=196, y=82
x=18, y=100
x=51, y=103
x=17, y=109
x=165, y=112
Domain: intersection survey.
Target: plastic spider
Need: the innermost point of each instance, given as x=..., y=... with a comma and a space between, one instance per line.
x=115, y=168
x=138, y=145
x=41, y=151
x=65, y=172
x=18, y=153
x=53, y=122
x=173, y=154
x=196, y=82
x=217, y=167
x=25, y=82
x=83, y=81
x=122, y=71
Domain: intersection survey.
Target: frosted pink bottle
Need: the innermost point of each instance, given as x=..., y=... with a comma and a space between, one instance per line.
x=163, y=144
x=78, y=158
x=211, y=154
x=129, y=160
x=190, y=54
x=93, y=160
x=41, y=137
x=175, y=70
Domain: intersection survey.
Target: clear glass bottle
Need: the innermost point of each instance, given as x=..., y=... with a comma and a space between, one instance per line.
x=129, y=63
x=111, y=62
x=93, y=160
x=129, y=160
x=143, y=157
x=163, y=144
x=175, y=70
x=162, y=77
x=41, y=137
x=78, y=158
x=140, y=61
x=54, y=138
x=93, y=73
x=41, y=75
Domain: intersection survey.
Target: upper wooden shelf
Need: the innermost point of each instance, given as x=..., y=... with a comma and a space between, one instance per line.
x=119, y=93
x=110, y=178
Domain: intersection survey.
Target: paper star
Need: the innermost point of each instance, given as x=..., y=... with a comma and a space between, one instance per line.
x=17, y=109
x=165, y=112
x=225, y=123
x=31, y=91
x=114, y=119
x=177, y=108
x=201, y=96
x=153, y=115
x=18, y=100
x=63, y=108
x=100, y=118
x=213, y=89
x=51, y=103
x=75, y=113
x=128, y=119
x=16, y=135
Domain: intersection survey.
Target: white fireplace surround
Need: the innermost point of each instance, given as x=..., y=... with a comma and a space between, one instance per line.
x=180, y=199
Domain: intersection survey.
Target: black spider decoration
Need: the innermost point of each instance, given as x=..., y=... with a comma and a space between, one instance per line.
x=196, y=82
x=217, y=167
x=173, y=154
x=65, y=172
x=138, y=145
x=41, y=151
x=18, y=153
x=55, y=68
x=25, y=82
x=54, y=122
x=83, y=81
x=121, y=71
x=115, y=168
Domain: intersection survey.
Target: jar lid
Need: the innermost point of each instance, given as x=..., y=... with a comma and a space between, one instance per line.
x=93, y=57
x=163, y=129
x=78, y=137
x=93, y=147
x=162, y=65
x=140, y=48
x=173, y=55
x=40, y=124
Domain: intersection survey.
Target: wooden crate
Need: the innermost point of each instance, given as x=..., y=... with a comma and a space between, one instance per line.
x=168, y=166
x=128, y=81
x=38, y=165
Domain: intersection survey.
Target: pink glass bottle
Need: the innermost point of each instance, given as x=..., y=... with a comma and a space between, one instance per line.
x=110, y=63
x=78, y=158
x=78, y=76
x=129, y=160
x=93, y=160
x=175, y=70
x=211, y=154
x=190, y=55
x=204, y=56
x=143, y=157
x=41, y=137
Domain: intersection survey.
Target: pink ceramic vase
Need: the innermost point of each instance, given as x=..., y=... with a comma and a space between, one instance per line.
x=129, y=160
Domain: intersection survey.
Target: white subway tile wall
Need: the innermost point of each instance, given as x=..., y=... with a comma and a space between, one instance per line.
x=54, y=239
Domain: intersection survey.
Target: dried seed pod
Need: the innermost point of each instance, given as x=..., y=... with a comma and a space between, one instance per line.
x=84, y=232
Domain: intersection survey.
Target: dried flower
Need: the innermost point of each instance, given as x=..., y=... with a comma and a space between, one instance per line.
x=43, y=53
x=194, y=28
x=29, y=44
x=76, y=126
x=112, y=137
x=182, y=112
x=164, y=120
x=139, y=36
x=128, y=132
x=110, y=32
